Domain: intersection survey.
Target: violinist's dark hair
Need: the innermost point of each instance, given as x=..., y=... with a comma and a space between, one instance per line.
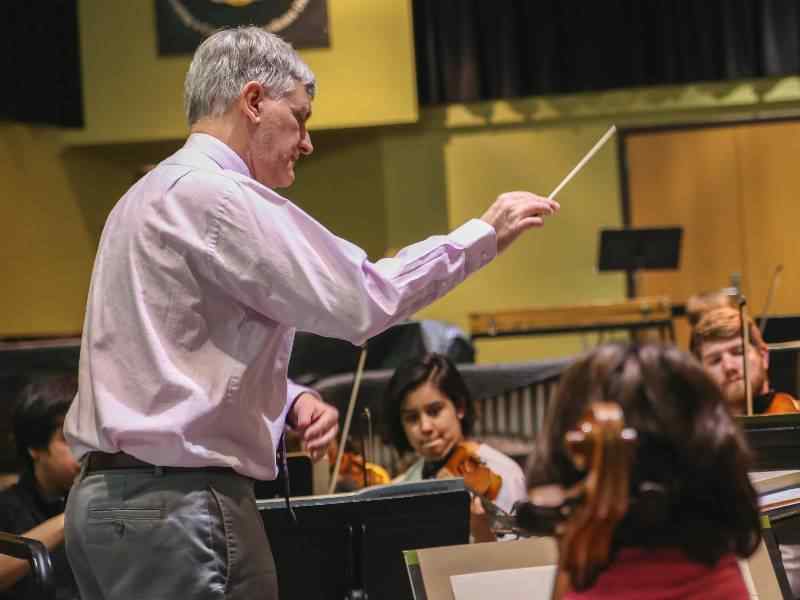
x=689, y=447
x=39, y=412
x=442, y=373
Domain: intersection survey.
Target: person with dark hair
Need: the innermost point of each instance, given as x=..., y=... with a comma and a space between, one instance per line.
x=430, y=412
x=716, y=341
x=34, y=506
x=692, y=508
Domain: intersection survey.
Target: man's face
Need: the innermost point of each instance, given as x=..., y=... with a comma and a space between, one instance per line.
x=281, y=137
x=55, y=467
x=722, y=360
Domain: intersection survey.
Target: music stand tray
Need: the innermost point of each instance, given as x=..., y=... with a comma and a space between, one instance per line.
x=632, y=250
x=352, y=543
x=656, y=248
x=774, y=439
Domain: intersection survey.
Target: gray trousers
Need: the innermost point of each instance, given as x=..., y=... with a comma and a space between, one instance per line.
x=149, y=535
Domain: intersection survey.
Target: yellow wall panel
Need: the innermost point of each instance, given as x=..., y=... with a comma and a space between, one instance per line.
x=45, y=251
x=688, y=178
x=551, y=266
x=366, y=77
x=734, y=189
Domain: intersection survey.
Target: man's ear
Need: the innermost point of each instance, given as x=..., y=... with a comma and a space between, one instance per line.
x=764, y=357
x=250, y=100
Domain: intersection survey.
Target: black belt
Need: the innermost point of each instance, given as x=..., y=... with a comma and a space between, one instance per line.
x=103, y=461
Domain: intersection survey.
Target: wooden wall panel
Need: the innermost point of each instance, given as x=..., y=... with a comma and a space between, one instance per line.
x=688, y=178
x=736, y=191
x=769, y=158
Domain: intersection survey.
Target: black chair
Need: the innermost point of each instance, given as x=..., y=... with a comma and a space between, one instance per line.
x=37, y=556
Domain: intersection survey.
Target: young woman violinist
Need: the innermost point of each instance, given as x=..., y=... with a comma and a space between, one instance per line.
x=690, y=510
x=430, y=412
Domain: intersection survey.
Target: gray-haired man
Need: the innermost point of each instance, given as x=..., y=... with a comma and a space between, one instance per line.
x=202, y=275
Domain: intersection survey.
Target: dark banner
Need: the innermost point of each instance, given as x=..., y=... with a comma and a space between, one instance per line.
x=183, y=24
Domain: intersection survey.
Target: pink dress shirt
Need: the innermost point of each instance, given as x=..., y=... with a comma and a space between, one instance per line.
x=201, y=277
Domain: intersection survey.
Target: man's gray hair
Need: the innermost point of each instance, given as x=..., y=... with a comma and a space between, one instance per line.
x=229, y=59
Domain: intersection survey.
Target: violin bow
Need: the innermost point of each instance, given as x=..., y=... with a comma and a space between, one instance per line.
x=366, y=443
x=772, y=285
x=745, y=349
x=362, y=359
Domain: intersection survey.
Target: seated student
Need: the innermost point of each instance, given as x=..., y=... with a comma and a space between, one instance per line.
x=429, y=411
x=34, y=506
x=692, y=508
x=716, y=341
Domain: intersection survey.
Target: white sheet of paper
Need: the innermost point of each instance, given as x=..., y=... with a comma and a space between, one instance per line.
x=748, y=579
x=530, y=583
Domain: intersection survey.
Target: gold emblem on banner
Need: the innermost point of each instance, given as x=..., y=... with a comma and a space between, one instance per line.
x=235, y=3
x=276, y=25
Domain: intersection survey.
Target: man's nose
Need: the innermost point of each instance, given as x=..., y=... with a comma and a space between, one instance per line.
x=731, y=363
x=306, y=147
x=425, y=423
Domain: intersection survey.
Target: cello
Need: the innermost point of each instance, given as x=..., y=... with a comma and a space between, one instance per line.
x=583, y=518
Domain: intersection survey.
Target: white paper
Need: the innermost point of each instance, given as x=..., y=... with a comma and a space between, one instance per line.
x=530, y=583
x=748, y=580
x=782, y=496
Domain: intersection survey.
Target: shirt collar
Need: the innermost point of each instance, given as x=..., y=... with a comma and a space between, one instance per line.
x=218, y=151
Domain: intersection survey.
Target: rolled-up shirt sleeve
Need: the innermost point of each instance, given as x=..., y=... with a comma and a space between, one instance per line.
x=279, y=261
x=293, y=392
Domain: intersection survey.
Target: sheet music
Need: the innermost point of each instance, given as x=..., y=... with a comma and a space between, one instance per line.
x=530, y=583
x=748, y=580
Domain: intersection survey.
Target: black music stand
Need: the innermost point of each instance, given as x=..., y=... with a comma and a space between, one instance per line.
x=301, y=479
x=774, y=439
x=349, y=546
x=780, y=526
x=634, y=250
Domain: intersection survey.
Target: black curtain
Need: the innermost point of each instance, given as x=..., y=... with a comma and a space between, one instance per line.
x=471, y=50
x=40, y=60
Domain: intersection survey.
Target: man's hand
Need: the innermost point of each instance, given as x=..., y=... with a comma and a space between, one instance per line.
x=515, y=212
x=315, y=422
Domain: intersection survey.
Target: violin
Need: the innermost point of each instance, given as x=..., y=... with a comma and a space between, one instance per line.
x=464, y=461
x=781, y=403
x=360, y=474
x=355, y=473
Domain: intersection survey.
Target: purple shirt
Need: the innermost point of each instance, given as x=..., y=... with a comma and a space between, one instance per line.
x=201, y=277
